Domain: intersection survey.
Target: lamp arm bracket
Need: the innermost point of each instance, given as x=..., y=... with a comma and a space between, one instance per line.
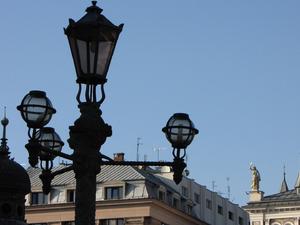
x=60, y=154
x=61, y=171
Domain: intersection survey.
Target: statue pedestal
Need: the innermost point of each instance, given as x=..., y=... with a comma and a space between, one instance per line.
x=255, y=196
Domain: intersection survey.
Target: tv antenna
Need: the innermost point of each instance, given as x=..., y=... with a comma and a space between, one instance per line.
x=213, y=185
x=138, y=143
x=158, y=149
x=228, y=188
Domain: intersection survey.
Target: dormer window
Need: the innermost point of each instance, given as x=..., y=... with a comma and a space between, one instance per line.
x=39, y=198
x=70, y=195
x=113, y=193
x=161, y=195
x=175, y=203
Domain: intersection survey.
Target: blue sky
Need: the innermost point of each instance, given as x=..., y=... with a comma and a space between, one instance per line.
x=232, y=65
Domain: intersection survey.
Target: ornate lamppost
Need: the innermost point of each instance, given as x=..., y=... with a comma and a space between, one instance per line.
x=92, y=41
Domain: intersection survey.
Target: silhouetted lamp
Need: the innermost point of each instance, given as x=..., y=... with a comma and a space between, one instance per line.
x=92, y=40
x=49, y=139
x=36, y=109
x=180, y=132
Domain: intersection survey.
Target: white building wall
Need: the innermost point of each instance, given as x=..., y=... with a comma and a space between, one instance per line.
x=201, y=211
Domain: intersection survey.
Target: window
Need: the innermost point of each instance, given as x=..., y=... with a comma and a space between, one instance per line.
x=230, y=215
x=38, y=198
x=208, y=204
x=241, y=221
x=113, y=193
x=68, y=223
x=37, y=224
x=189, y=209
x=184, y=191
x=220, y=210
x=112, y=222
x=197, y=198
x=70, y=195
x=175, y=203
x=161, y=195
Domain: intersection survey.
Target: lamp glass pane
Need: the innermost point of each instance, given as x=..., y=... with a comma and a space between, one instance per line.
x=92, y=48
x=180, y=131
x=73, y=47
x=36, y=110
x=50, y=140
x=82, y=47
x=104, y=55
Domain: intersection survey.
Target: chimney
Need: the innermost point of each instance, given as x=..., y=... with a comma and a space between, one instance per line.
x=119, y=157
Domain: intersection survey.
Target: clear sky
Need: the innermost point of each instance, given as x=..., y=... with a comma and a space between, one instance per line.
x=233, y=66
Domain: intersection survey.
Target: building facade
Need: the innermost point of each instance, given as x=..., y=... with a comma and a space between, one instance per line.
x=131, y=195
x=282, y=208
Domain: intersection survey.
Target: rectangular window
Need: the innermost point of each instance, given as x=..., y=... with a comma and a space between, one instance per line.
x=220, y=210
x=112, y=222
x=230, y=215
x=68, y=223
x=113, y=193
x=241, y=221
x=37, y=224
x=208, y=204
x=161, y=195
x=197, y=198
x=175, y=203
x=70, y=195
x=39, y=198
x=184, y=191
x=189, y=209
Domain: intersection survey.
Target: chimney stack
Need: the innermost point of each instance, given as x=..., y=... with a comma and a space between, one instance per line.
x=119, y=157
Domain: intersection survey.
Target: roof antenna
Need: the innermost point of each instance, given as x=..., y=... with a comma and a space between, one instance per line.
x=138, y=143
x=158, y=149
x=187, y=172
x=213, y=185
x=228, y=188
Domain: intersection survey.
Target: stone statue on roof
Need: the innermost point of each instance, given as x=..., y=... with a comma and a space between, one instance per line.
x=255, y=178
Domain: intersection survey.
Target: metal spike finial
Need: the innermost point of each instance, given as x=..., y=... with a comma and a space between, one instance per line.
x=94, y=3
x=4, y=148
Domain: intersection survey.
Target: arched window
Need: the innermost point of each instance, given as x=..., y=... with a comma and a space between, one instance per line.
x=288, y=223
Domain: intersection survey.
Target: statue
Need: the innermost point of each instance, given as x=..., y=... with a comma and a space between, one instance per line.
x=255, y=178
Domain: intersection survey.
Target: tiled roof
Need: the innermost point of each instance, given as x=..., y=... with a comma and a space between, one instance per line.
x=108, y=173
x=280, y=199
x=283, y=196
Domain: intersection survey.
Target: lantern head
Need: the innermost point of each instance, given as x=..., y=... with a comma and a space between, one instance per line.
x=36, y=109
x=92, y=40
x=180, y=130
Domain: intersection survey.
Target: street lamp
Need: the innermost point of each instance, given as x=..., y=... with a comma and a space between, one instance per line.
x=180, y=132
x=92, y=41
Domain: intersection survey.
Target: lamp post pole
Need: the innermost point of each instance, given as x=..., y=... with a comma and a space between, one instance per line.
x=86, y=137
x=92, y=41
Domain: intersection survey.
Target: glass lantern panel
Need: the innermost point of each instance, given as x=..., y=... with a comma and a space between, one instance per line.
x=104, y=55
x=92, y=48
x=51, y=141
x=82, y=47
x=73, y=47
x=36, y=110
